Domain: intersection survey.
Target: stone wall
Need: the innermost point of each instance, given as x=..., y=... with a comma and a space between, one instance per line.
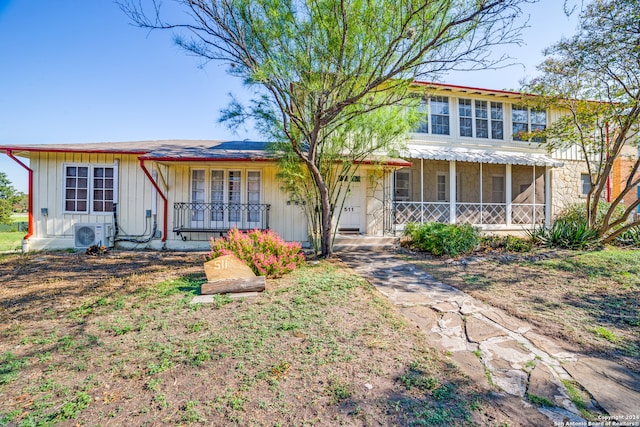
x=565, y=185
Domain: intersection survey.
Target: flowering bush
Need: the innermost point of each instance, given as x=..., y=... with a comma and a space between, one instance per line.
x=264, y=251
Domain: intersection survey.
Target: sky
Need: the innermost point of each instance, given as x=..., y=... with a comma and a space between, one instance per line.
x=75, y=71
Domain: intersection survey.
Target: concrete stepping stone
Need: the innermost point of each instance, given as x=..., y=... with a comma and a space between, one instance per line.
x=479, y=330
x=423, y=316
x=511, y=381
x=508, y=349
x=614, y=387
x=544, y=382
x=506, y=320
x=472, y=305
x=471, y=365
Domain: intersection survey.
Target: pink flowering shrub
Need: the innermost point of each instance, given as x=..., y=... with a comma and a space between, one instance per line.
x=264, y=251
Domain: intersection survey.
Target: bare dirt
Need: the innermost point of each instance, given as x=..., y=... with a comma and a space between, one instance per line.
x=114, y=340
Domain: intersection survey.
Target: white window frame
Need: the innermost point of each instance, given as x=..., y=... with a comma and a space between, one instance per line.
x=90, y=187
x=489, y=119
x=426, y=124
x=529, y=123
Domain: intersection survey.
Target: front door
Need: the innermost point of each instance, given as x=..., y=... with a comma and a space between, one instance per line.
x=351, y=217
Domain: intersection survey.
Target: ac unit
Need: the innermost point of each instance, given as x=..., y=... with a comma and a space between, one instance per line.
x=86, y=235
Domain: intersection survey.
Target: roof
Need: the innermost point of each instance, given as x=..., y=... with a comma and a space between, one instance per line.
x=480, y=156
x=469, y=90
x=180, y=150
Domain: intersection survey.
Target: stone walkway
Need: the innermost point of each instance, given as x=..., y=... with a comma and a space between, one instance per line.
x=497, y=350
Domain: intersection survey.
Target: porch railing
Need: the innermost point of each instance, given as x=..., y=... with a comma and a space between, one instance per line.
x=469, y=213
x=197, y=217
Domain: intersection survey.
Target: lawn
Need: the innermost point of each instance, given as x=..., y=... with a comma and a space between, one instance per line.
x=114, y=340
x=12, y=240
x=587, y=299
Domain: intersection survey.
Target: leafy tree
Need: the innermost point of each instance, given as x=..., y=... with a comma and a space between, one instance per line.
x=319, y=66
x=594, y=77
x=8, y=197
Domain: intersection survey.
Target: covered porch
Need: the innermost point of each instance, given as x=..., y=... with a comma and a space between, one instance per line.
x=493, y=190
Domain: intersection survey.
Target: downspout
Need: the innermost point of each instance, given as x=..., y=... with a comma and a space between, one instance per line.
x=164, y=198
x=612, y=169
x=30, y=196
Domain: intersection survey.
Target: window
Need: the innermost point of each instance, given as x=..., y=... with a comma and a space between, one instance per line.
x=497, y=189
x=253, y=196
x=423, y=124
x=466, y=119
x=481, y=118
x=89, y=188
x=435, y=112
x=197, y=194
x=496, y=121
x=225, y=196
x=235, y=196
x=538, y=123
x=217, y=195
x=524, y=119
x=402, y=185
x=103, y=189
x=441, y=188
x=440, y=115
x=585, y=184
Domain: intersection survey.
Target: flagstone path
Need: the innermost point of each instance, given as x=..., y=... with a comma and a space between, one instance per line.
x=499, y=351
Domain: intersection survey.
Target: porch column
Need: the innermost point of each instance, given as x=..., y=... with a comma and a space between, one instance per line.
x=507, y=193
x=421, y=191
x=452, y=191
x=547, y=197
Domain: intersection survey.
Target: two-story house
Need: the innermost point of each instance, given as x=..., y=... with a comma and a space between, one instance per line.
x=466, y=163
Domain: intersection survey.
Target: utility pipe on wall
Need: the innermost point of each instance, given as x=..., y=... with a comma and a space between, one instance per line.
x=31, y=227
x=164, y=198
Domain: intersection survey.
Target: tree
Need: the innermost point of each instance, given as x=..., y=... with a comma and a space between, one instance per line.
x=317, y=66
x=595, y=78
x=8, y=197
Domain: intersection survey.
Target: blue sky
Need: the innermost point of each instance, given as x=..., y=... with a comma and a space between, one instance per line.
x=75, y=71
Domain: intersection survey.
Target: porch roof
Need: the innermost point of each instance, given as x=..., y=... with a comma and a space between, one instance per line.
x=462, y=154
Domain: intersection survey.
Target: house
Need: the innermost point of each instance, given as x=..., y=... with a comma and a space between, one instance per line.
x=466, y=163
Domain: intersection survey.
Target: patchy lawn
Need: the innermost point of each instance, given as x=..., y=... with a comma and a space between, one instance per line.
x=590, y=300
x=114, y=340
x=11, y=240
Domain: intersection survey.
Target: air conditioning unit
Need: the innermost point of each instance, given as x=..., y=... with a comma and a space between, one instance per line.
x=86, y=235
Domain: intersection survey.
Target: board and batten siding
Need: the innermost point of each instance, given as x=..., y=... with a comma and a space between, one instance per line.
x=56, y=228
x=286, y=219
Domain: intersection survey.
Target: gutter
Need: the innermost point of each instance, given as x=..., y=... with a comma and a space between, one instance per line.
x=31, y=227
x=164, y=199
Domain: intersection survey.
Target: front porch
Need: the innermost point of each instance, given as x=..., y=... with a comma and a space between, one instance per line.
x=489, y=196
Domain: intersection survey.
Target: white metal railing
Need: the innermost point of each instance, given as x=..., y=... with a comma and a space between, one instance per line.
x=469, y=213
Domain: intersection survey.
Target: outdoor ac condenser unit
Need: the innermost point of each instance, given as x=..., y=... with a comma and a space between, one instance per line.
x=86, y=235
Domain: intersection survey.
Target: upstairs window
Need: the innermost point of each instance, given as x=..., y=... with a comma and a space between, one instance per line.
x=435, y=116
x=89, y=189
x=524, y=119
x=481, y=119
x=440, y=115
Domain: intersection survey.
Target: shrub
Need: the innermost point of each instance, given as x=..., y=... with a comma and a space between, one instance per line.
x=264, y=251
x=508, y=243
x=442, y=239
x=567, y=234
x=630, y=237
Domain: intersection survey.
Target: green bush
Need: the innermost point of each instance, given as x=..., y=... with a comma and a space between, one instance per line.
x=263, y=251
x=442, y=239
x=508, y=243
x=630, y=237
x=567, y=234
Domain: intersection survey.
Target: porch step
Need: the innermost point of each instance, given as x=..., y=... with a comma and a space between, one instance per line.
x=345, y=243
